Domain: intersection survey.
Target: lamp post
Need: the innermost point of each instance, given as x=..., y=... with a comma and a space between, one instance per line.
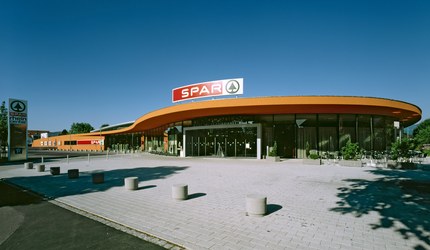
x=100, y=139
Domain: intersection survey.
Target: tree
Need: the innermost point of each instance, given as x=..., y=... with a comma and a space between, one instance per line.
x=104, y=125
x=402, y=148
x=3, y=125
x=64, y=132
x=422, y=137
x=80, y=128
x=422, y=125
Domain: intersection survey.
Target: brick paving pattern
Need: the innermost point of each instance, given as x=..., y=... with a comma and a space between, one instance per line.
x=309, y=207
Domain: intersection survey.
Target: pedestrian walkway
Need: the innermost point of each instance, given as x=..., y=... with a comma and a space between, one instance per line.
x=309, y=207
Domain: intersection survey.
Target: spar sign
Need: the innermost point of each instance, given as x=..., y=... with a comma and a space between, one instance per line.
x=208, y=89
x=17, y=130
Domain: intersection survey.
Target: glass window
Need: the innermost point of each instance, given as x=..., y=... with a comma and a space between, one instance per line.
x=327, y=131
x=347, y=129
x=379, y=140
x=364, y=132
x=284, y=119
x=306, y=134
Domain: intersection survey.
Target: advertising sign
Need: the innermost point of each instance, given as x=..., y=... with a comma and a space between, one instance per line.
x=90, y=142
x=17, y=124
x=208, y=89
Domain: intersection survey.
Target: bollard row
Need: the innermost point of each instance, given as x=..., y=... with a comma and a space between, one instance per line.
x=256, y=204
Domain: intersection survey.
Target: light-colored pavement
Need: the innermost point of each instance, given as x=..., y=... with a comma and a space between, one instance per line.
x=310, y=207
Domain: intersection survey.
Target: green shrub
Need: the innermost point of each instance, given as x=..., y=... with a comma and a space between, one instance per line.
x=314, y=156
x=274, y=150
x=401, y=149
x=350, y=151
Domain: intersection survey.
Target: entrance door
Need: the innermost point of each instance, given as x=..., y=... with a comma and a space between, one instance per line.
x=223, y=140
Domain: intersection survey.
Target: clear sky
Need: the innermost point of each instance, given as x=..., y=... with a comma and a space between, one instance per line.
x=113, y=61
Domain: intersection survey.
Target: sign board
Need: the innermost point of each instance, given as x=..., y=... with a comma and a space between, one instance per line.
x=90, y=142
x=17, y=124
x=207, y=89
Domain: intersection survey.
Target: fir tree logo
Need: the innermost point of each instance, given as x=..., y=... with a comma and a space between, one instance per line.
x=232, y=87
x=17, y=106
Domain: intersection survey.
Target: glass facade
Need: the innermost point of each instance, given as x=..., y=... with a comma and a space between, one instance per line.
x=123, y=142
x=296, y=135
x=230, y=141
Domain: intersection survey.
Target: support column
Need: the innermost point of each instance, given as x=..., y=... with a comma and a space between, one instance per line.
x=259, y=141
x=184, y=143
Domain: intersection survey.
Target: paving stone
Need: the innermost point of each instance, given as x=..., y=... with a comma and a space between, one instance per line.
x=307, y=195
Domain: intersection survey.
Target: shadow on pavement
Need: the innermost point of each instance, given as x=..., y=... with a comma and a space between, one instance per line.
x=10, y=196
x=272, y=208
x=196, y=195
x=54, y=186
x=28, y=222
x=398, y=196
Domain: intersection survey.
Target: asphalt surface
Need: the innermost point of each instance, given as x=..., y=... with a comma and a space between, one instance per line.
x=27, y=221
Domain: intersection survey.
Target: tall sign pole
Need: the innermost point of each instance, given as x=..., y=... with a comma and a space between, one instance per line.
x=17, y=135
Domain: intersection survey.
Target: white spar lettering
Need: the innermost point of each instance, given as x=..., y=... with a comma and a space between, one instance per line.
x=197, y=91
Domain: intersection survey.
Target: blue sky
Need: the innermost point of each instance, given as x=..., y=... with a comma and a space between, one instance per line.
x=113, y=61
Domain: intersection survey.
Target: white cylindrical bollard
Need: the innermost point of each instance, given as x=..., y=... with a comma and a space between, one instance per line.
x=256, y=205
x=28, y=165
x=180, y=191
x=130, y=183
x=40, y=168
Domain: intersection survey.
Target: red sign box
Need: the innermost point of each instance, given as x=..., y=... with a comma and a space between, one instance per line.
x=207, y=89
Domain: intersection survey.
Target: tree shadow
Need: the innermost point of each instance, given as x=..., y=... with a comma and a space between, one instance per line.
x=14, y=196
x=55, y=186
x=397, y=195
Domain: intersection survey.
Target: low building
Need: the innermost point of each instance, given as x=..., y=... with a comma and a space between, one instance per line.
x=248, y=127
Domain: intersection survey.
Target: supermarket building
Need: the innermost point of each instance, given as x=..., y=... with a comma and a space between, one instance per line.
x=248, y=127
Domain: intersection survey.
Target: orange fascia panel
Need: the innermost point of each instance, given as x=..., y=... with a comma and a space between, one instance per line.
x=406, y=112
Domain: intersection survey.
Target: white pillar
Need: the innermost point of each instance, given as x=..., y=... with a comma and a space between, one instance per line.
x=258, y=141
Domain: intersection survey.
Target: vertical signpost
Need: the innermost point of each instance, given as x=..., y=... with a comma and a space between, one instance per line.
x=17, y=124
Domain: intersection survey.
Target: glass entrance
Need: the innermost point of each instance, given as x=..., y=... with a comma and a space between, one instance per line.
x=235, y=141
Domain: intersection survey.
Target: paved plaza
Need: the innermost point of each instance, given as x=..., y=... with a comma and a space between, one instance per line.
x=309, y=207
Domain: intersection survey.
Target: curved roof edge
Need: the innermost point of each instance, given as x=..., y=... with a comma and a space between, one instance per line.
x=403, y=111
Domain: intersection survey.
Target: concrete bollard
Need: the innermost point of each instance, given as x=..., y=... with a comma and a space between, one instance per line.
x=130, y=183
x=73, y=173
x=98, y=177
x=55, y=170
x=256, y=205
x=180, y=191
x=40, y=168
x=28, y=165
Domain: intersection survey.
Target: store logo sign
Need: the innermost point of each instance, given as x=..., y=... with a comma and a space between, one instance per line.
x=17, y=111
x=18, y=106
x=208, y=89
